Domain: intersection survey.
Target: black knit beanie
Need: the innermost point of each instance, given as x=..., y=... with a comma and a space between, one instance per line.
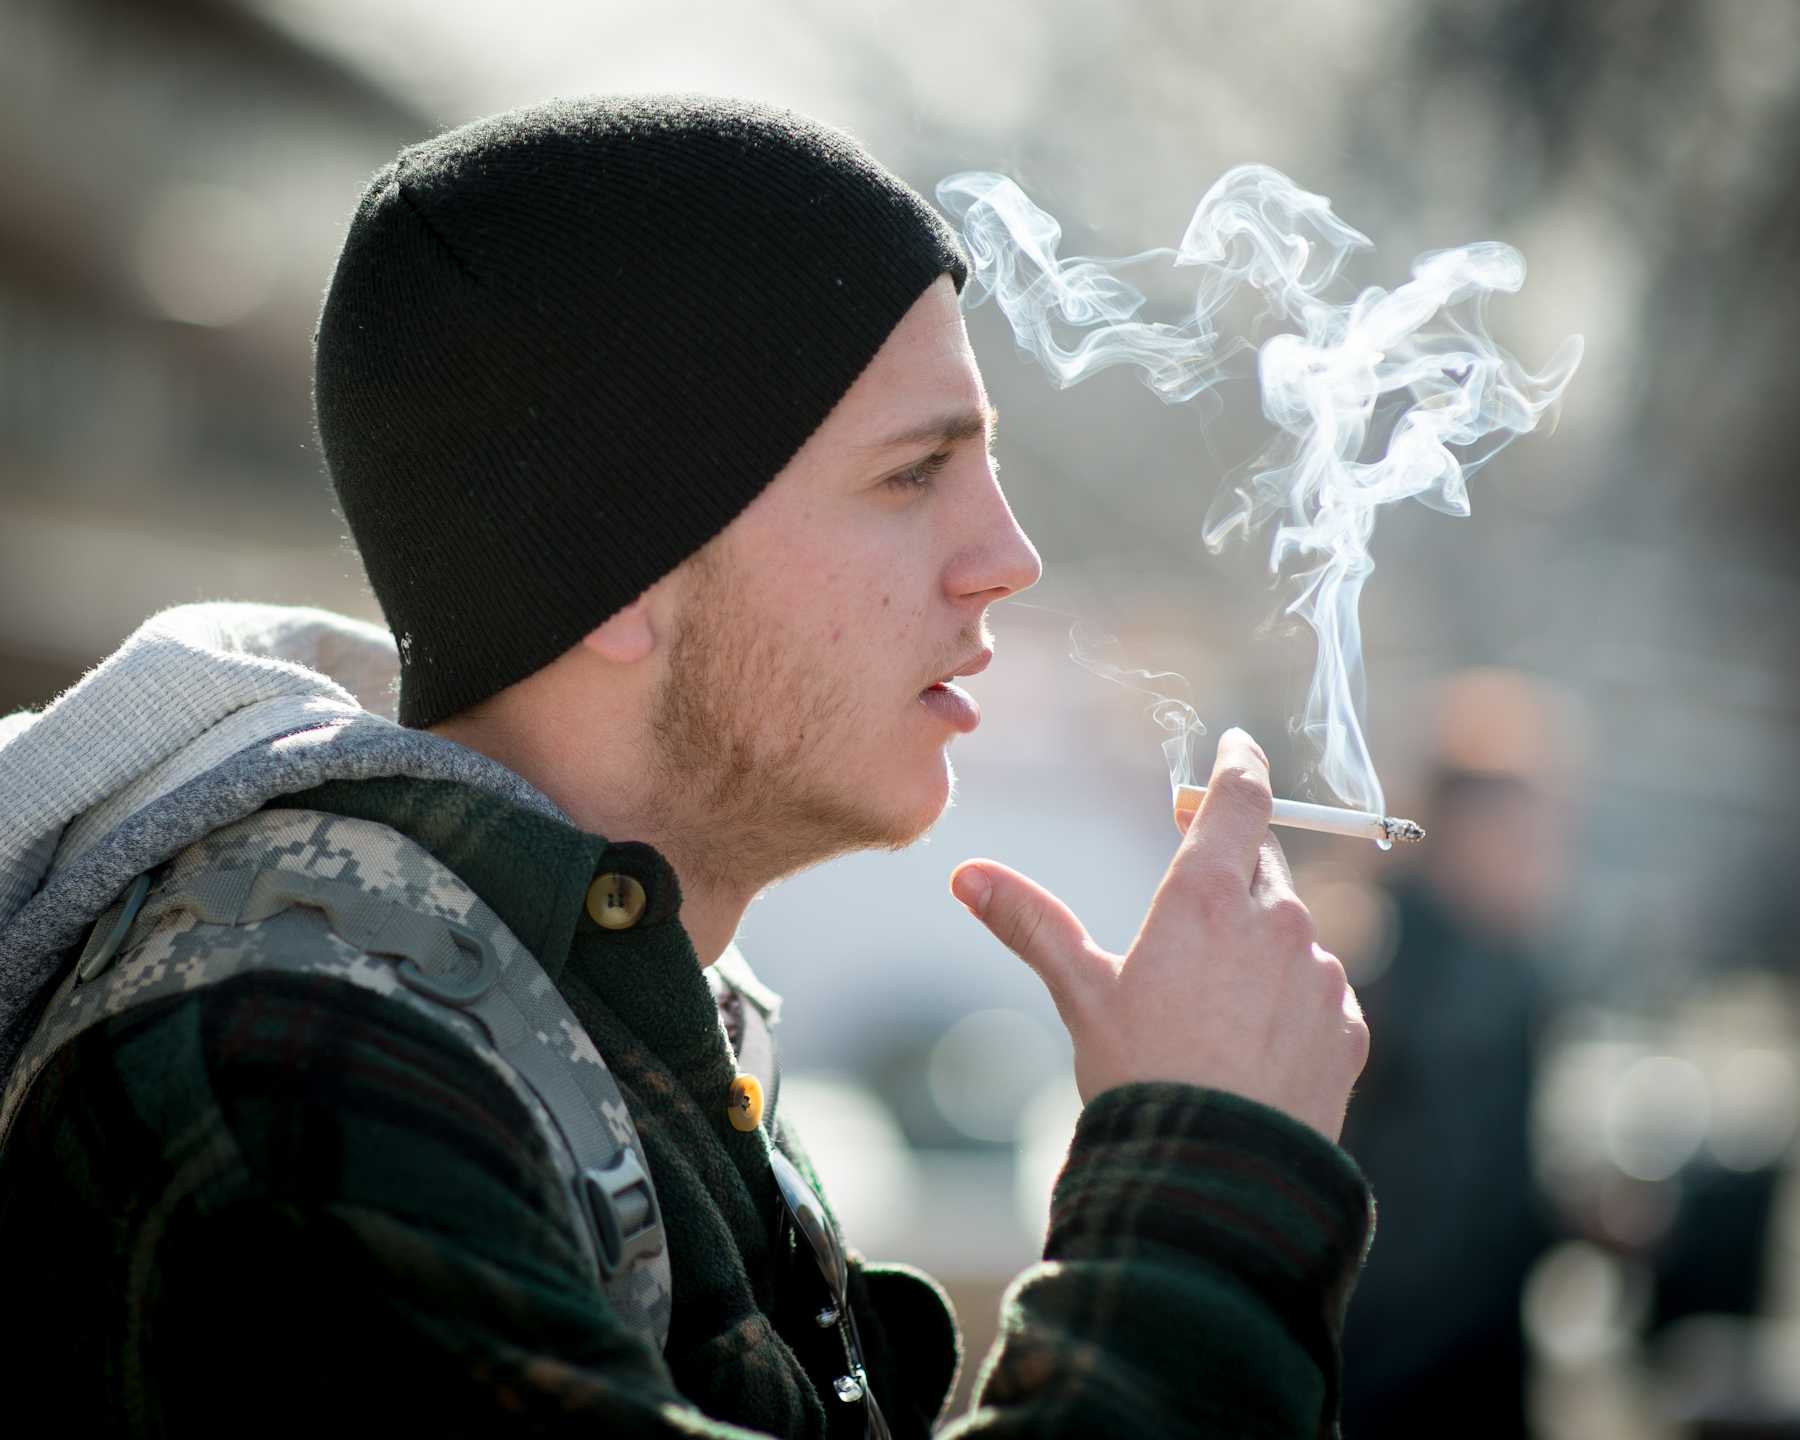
x=565, y=346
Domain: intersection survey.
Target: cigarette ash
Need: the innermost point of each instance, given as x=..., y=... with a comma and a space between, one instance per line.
x=1416, y=361
x=1407, y=832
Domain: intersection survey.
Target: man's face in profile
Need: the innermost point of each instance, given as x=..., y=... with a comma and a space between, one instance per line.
x=791, y=712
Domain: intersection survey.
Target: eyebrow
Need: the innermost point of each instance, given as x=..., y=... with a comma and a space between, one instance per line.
x=944, y=430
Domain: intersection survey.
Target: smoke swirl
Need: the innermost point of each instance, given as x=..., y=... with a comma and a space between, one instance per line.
x=1367, y=395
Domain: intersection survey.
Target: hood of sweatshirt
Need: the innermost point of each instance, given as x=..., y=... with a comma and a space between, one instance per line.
x=205, y=714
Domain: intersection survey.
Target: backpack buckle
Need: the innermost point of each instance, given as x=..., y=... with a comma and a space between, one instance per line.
x=622, y=1205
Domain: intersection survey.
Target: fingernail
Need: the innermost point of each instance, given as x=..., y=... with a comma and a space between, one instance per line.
x=972, y=888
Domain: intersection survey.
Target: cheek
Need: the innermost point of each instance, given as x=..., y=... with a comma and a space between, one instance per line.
x=856, y=608
x=871, y=611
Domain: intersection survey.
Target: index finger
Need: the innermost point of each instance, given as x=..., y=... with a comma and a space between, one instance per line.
x=1234, y=813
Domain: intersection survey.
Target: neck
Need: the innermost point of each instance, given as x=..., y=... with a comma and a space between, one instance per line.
x=710, y=914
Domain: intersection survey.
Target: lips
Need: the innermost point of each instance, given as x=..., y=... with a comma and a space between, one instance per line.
x=974, y=665
x=951, y=704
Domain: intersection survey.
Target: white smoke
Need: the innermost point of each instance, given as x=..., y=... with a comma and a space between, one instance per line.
x=1417, y=358
x=1101, y=653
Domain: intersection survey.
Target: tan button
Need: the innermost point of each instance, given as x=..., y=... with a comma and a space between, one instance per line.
x=615, y=901
x=746, y=1105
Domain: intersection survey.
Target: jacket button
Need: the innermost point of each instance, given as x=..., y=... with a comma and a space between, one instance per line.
x=615, y=901
x=746, y=1105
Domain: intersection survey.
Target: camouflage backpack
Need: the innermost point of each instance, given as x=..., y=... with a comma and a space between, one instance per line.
x=303, y=892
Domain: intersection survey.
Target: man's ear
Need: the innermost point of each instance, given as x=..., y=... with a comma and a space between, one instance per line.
x=625, y=637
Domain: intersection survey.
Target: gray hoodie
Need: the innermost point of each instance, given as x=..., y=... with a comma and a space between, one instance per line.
x=205, y=714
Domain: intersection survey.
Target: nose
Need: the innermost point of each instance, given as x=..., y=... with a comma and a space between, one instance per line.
x=998, y=558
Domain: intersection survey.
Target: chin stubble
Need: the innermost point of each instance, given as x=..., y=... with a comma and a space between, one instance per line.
x=737, y=739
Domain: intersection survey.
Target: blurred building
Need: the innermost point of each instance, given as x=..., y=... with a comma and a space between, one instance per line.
x=176, y=176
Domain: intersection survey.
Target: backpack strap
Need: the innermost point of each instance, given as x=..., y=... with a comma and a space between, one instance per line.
x=304, y=892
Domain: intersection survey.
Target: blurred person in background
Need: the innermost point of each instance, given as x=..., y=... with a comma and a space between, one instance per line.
x=657, y=427
x=1441, y=1125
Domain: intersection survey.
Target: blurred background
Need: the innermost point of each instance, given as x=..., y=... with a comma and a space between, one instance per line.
x=1581, y=1113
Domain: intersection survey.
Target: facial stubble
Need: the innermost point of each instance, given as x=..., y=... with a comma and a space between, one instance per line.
x=741, y=732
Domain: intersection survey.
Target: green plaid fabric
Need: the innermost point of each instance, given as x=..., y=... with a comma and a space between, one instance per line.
x=281, y=1205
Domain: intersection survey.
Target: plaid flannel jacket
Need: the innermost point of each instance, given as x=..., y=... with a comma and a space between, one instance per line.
x=280, y=1205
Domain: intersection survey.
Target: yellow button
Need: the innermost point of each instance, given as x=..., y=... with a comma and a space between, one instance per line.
x=746, y=1104
x=615, y=901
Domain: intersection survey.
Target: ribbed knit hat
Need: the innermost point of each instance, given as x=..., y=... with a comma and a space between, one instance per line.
x=564, y=347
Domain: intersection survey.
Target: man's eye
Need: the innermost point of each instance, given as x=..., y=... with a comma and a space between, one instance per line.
x=920, y=476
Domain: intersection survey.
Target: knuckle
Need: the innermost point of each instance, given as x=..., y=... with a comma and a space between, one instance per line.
x=1292, y=922
x=1342, y=998
x=1021, y=928
x=1245, y=787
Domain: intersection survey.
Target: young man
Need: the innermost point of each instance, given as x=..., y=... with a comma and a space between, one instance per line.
x=656, y=424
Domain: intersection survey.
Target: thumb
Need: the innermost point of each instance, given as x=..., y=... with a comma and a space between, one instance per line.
x=1025, y=917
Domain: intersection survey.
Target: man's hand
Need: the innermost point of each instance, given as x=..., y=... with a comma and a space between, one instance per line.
x=1224, y=985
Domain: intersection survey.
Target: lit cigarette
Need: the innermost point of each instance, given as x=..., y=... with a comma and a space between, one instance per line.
x=1384, y=830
